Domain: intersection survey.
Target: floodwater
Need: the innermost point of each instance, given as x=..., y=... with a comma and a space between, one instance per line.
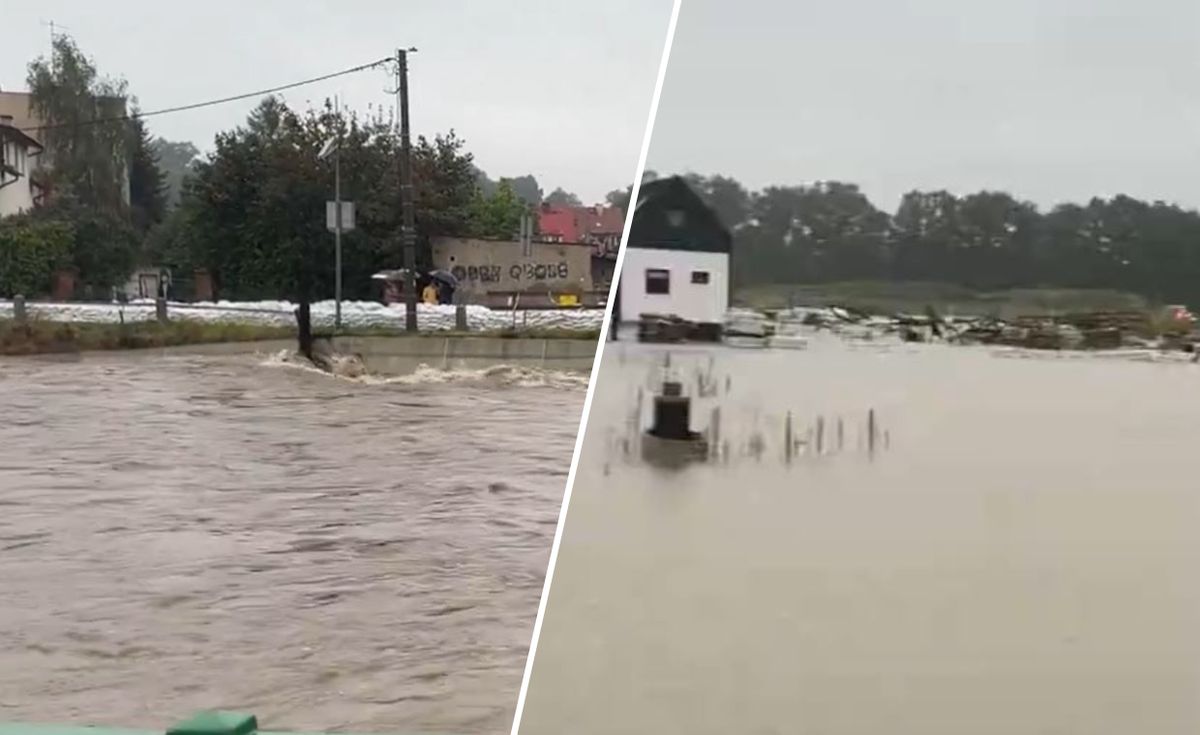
x=1018, y=555
x=185, y=533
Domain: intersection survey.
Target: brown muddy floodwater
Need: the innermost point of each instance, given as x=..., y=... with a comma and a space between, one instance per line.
x=181, y=533
x=1019, y=555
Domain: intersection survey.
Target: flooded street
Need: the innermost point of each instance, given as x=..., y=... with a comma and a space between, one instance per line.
x=181, y=533
x=1018, y=556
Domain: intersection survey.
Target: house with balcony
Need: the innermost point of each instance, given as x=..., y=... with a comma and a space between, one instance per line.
x=16, y=108
x=18, y=151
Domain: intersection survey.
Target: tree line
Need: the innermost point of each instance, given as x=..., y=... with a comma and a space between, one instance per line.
x=251, y=212
x=990, y=240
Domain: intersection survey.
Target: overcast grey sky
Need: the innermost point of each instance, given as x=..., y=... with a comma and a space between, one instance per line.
x=558, y=89
x=1050, y=99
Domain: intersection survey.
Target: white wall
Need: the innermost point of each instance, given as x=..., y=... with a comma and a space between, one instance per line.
x=694, y=302
x=16, y=195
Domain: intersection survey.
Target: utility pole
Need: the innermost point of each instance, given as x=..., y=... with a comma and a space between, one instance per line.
x=54, y=28
x=337, y=233
x=408, y=228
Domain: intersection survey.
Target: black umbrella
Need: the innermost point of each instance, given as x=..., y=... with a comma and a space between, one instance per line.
x=445, y=277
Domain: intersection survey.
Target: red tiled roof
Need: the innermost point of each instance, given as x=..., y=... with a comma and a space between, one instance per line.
x=601, y=220
x=576, y=224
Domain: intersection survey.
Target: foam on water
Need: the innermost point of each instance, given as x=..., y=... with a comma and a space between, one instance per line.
x=496, y=375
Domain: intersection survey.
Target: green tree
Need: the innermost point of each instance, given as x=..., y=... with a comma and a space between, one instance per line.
x=563, y=198
x=526, y=187
x=175, y=159
x=619, y=198
x=30, y=252
x=147, y=182
x=104, y=245
x=443, y=174
x=499, y=215
x=88, y=159
x=252, y=213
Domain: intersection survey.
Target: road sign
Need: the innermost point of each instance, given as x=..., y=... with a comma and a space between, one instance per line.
x=347, y=216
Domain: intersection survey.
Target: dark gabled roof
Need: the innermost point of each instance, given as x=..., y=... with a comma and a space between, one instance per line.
x=700, y=230
x=11, y=132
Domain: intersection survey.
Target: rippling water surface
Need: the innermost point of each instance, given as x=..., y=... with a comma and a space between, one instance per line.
x=180, y=533
x=1019, y=555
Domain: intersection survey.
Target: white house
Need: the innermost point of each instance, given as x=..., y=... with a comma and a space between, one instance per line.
x=17, y=150
x=677, y=257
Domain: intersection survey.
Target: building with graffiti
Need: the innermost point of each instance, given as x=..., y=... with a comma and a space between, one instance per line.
x=505, y=272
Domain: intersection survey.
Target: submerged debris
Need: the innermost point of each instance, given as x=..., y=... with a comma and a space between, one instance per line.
x=670, y=439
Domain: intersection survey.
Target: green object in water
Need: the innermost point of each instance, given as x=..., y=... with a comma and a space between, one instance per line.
x=216, y=723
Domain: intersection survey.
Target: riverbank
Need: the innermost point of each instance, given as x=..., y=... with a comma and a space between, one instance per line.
x=41, y=337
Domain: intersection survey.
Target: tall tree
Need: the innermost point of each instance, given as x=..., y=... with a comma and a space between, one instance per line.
x=147, y=182
x=563, y=198
x=500, y=214
x=87, y=141
x=253, y=212
x=526, y=187
x=175, y=159
x=619, y=198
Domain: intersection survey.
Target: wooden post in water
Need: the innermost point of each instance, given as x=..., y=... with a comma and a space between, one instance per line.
x=841, y=434
x=304, y=328
x=820, y=435
x=715, y=431
x=20, y=315
x=788, y=444
x=871, y=431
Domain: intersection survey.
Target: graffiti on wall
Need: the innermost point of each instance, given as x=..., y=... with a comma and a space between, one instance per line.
x=531, y=272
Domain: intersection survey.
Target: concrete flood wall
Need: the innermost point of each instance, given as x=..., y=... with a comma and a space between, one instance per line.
x=401, y=355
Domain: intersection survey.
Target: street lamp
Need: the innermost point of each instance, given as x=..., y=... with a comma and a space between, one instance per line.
x=337, y=220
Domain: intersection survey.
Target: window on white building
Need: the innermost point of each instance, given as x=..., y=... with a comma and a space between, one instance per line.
x=658, y=281
x=13, y=156
x=700, y=277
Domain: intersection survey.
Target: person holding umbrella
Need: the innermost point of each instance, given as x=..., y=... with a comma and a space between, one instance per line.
x=446, y=285
x=429, y=294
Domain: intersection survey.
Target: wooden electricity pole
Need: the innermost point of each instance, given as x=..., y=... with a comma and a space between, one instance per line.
x=408, y=232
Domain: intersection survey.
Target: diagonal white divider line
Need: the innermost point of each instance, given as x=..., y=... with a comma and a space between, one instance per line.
x=591, y=390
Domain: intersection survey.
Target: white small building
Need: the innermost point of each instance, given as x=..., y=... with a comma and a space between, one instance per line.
x=17, y=150
x=677, y=257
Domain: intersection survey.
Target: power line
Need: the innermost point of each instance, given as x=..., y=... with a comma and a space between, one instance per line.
x=210, y=103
